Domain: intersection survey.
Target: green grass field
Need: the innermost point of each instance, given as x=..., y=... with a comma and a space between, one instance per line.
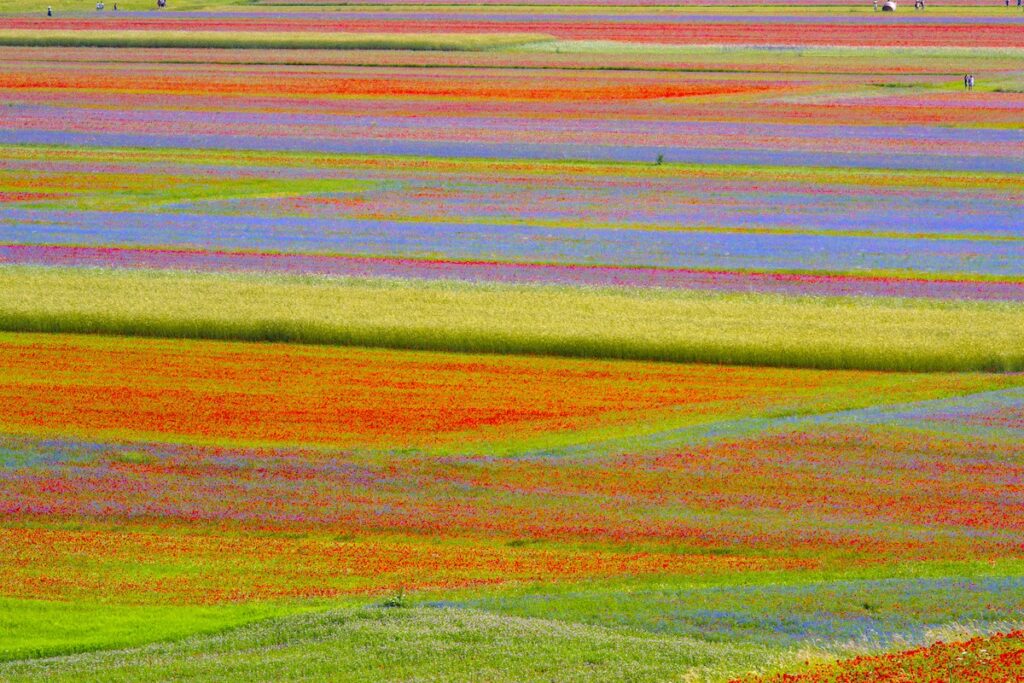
x=31, y=629
x=574, y=632
x=429, y=644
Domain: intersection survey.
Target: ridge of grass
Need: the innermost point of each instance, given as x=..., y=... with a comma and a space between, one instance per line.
x=380, y=643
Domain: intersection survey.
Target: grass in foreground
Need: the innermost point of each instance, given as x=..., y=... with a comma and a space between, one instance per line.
x=381, y=644
x=677, y=326
x=43, y=628
x=400, y=643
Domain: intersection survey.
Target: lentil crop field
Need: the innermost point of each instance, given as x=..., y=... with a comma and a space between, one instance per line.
x=557, y=340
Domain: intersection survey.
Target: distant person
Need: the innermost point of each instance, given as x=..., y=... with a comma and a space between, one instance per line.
x=970, y=82
x=876, y=4
x=966, y=79
x=49, y=10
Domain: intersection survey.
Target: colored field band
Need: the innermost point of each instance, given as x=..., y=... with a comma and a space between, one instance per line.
x=677, y=326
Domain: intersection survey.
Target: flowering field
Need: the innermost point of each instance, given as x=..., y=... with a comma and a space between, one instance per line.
x=618, y=341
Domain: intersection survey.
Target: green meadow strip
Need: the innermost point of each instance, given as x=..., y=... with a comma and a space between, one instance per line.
x=39, y=628
x=269, y=40
x=383, y=644
x=662, y=325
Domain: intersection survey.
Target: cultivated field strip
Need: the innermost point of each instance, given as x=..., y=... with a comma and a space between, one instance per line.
x=680, y=326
